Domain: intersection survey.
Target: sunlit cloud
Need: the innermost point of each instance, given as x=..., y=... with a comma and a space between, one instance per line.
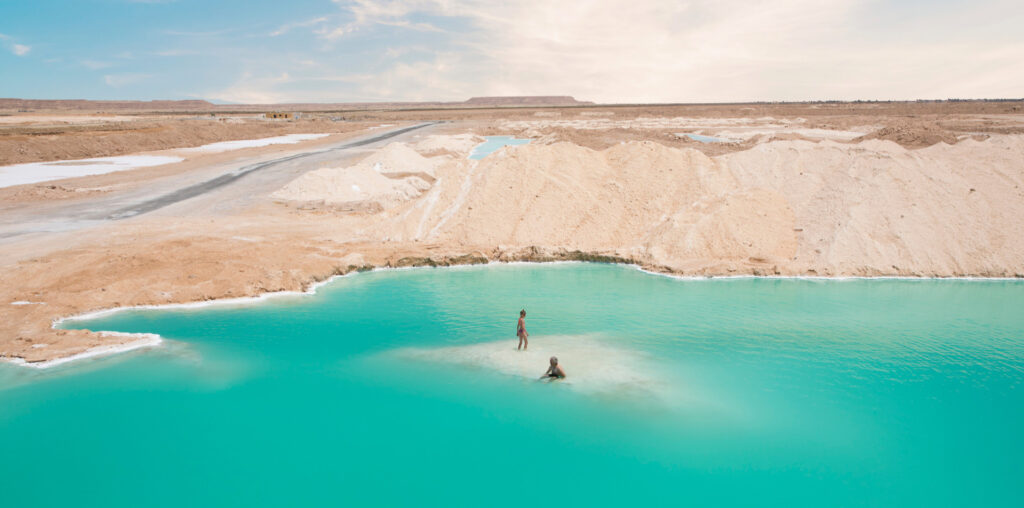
x=600, y=50
x=16, y=49
x=625, y=51
x=250, y=89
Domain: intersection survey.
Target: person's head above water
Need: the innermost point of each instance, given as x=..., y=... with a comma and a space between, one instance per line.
x=522, y=313
x=555, y=371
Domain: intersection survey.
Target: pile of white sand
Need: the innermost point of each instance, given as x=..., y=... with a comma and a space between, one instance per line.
x=358, y=188
x=398, y=160
x=745, y=134
x=788, y=207
x=641, y=197
x=389, y=176
x=734, y=128
x=456, y=144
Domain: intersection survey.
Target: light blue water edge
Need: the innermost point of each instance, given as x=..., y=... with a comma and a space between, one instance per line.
x=492, y=145
x=709, y=139
x=403, y=387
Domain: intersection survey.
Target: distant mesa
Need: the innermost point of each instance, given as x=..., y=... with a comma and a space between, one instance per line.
x=527, y=100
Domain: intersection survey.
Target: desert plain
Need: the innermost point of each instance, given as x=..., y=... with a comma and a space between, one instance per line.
x=827, y=189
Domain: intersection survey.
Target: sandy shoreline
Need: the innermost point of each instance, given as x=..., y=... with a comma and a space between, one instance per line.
x=147, y=340
x=140, y=341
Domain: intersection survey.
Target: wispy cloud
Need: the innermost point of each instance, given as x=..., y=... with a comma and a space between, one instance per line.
x=400, y=81
x=207, y=33
x=396, y=52
x=250, y=89
x=125, y=79
x=283, y=29
x=366, y=13
x=16, y=49
x=623, y=50
x=176, y=52
x=95, y=64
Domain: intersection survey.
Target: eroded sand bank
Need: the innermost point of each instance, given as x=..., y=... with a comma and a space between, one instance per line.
x=784, y=207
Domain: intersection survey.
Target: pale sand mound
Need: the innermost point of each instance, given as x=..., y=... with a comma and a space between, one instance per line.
x=876, y=207
x=456, y=144
x=913, y=133
x=398, y=160
x=389, y=176
x=637, y=198
x=790, y=207
x=358, y=188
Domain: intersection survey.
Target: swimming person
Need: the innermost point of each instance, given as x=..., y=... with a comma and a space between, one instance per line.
x=521, y=331
x=555, y=371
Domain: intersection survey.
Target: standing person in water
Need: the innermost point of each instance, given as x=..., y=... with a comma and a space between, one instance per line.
x=555, y=371
x=521, y=331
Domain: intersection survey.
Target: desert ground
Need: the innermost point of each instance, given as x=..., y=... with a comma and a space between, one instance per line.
x=921, y=189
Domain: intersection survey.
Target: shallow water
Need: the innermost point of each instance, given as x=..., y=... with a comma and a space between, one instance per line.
x=403, y=387
x=492, y=145
x=708, y=139
x=225, y=146
x=35, y=172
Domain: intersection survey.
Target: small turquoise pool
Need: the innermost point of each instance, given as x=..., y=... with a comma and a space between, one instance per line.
x=708, y=139
x=403, y=388
x=493, y=143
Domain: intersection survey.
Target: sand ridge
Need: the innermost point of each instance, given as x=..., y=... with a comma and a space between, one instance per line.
x=785, y=207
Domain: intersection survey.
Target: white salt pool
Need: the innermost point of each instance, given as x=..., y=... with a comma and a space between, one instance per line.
x=225, y=146
x=35, y=172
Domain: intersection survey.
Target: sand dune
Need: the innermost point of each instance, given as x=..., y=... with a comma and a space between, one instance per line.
x=358, y=188
x=391, y=175
x=875, y=206
x=788, y=207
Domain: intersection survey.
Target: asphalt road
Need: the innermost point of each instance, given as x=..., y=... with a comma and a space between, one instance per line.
x=217, y=189
x=209, y=185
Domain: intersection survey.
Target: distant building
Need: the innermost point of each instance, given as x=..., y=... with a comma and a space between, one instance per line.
x=277, y=115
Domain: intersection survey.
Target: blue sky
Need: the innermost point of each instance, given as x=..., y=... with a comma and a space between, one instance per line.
x=603, y=50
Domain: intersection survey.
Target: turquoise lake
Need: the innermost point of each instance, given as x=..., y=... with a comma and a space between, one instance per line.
x=404, y=388
x=492, y=145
